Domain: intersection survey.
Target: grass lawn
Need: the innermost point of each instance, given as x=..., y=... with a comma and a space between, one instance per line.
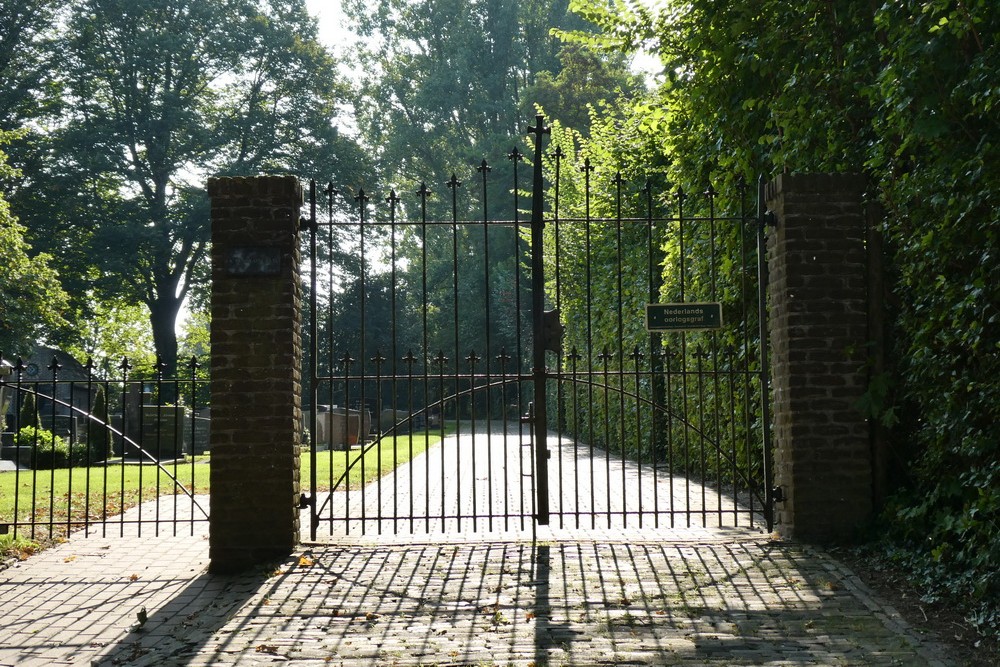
x=73, y=495
x=378, y=461
x=94, y=493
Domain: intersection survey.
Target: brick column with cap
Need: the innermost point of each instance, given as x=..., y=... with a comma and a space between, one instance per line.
x=817, y=288
x=256, y=370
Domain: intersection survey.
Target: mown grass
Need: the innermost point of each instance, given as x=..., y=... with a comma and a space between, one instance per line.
x=378, y=460
x=69, y=497
x=73, y=496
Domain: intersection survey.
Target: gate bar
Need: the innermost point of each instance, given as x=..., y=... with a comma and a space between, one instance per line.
x=763, y=216
x=310, y=502
x=539, y=421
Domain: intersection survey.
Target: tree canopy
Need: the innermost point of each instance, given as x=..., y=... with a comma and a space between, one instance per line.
x=28, y=83
x=155, y=98
x=447, y=83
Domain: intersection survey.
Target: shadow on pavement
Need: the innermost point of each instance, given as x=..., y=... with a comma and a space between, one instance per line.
x=522, y=603
x=190, y=622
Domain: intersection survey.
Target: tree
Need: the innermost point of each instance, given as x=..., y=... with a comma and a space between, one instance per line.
x=158, y=97
x=27, y=84
x=586, y=79
x=444, y=81
x=113, y=331
x=32, y=301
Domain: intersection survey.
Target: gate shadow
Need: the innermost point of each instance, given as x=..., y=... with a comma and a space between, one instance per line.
x=490, y=603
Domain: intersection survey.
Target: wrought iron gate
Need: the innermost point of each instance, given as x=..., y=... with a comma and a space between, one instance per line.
x=494, y=372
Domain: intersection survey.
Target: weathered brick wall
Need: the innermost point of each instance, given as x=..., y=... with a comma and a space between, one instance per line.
x=818, y=327
x=256, y=370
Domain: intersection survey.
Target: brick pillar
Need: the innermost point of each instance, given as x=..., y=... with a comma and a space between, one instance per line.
x=256, y=370
x=818, y=328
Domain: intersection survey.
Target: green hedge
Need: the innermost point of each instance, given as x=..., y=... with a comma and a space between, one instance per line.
x=49, y=451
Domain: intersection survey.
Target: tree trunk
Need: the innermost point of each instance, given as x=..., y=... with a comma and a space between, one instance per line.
x=163, y=313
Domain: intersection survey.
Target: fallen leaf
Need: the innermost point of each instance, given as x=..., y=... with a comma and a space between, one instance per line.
x=133, y=577
x=305, y=561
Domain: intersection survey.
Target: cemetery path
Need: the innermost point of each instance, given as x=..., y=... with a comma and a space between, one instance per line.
x=479, y=482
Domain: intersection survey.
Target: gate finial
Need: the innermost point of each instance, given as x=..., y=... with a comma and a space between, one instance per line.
x=539, y=127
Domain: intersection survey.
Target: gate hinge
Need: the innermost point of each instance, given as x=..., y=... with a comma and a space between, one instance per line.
x=778, y=494
x=552, y=330
x=306, y=502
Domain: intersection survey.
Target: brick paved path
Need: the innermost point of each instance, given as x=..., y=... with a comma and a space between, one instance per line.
x=620, y=596
x=750, y=602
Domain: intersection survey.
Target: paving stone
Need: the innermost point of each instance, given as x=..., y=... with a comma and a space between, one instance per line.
x=558, y=596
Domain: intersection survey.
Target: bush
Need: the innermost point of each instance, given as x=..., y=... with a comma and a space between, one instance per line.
x=48, y=451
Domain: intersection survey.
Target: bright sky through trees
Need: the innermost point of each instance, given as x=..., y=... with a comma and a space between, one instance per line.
x=334, y=34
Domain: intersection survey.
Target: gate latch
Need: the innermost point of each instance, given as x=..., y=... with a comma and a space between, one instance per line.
x=529, y=416
x=552, y=330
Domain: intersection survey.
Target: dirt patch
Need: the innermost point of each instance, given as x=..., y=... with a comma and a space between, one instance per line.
x=939, y=621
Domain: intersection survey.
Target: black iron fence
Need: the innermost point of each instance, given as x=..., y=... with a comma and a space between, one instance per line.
x=512, y=324
x=99, y=453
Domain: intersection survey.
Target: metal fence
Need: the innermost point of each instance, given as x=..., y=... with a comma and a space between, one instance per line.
x=519, y=338
x=103, y=453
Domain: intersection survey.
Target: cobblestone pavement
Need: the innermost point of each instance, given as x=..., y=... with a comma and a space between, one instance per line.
x=595, y=601
x=545, y=597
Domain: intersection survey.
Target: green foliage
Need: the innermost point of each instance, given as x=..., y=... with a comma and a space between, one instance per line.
x=195, y=355
x=905, y=92
x=27, y=84
x=32, y=300
x=112, y=331
x=31, y=297
x=446, y=84
x=48, y=451
x=443, y=79
x=586, y=79
x=153, y=99
x=938, y=170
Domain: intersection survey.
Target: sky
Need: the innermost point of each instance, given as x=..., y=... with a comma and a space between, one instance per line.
x=331, y=19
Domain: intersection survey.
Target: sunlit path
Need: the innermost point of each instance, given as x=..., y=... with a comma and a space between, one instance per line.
x=479, y=482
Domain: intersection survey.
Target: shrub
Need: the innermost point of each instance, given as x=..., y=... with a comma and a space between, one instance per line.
x=48, y=451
